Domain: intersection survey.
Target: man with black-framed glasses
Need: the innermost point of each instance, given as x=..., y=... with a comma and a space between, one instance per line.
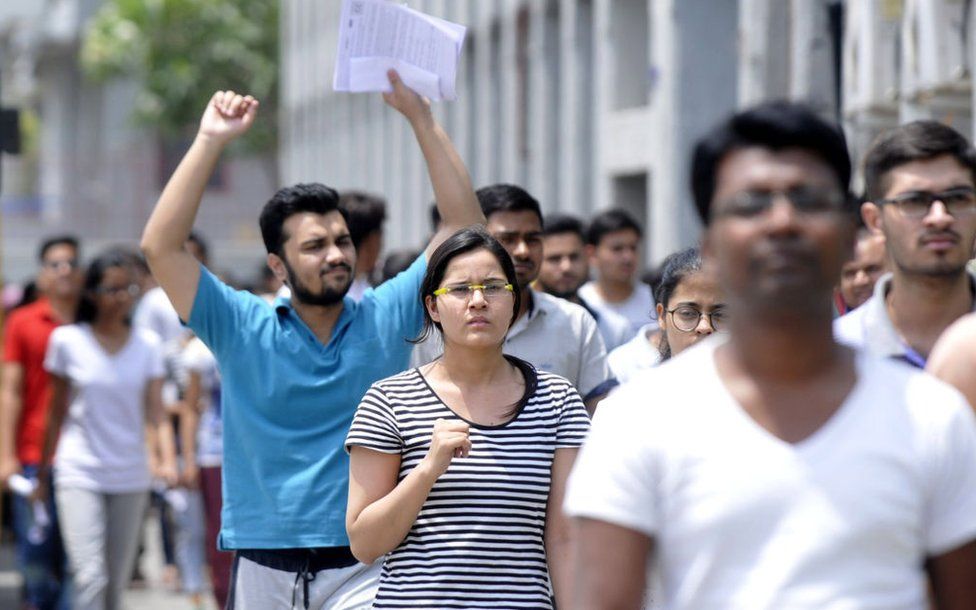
x=920, y=186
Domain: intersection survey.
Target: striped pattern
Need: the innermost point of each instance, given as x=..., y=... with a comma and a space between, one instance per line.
x=478, y=540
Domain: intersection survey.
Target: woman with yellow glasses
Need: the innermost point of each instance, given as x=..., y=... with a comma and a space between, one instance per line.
x=458, y=468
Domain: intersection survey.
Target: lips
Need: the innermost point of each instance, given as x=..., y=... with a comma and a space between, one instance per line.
x=478, y=321
x=940, y=241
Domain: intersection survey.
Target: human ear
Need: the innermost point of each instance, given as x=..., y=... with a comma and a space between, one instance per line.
x=871, y=213
x=277, y=267
x=431, y=303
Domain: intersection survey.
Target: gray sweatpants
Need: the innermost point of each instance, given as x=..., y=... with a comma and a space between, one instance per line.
x=256, y=587
x=101, y=537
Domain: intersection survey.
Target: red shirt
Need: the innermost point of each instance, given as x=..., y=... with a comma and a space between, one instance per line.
x=25, y=340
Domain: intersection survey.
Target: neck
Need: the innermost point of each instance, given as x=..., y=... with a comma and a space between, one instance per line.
x=613, y=291
x=110, y=326
x=321, y=319
x=64, y=308
x=526, y=302
x=926, y=305
x=791, y=347
x=472, y=366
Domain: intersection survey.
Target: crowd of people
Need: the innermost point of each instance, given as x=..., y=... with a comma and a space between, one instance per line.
x=479, y=424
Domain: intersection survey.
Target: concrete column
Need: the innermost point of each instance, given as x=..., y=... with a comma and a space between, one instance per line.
x=602, y=83
x=509, y=132
x=569, y=138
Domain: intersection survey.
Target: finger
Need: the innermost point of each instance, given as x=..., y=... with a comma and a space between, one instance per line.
x=217, y=99
x=466, y=448
x=235, y=105
x=252, y=111
x=455, y=426
x=228, y=98
x=393, y=77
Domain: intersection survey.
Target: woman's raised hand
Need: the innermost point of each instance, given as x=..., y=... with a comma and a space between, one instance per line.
x=450, y=439
x=228, y=115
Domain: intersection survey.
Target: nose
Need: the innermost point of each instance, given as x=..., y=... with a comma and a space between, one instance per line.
x=334, y=254
x=704, y=325
x=938, y=215
x=477, y=300
x=521, y=249
x=782, y=214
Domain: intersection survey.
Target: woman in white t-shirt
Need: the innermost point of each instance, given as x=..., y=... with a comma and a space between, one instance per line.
x=690, y=307
x=106, y=379
x=457, y=468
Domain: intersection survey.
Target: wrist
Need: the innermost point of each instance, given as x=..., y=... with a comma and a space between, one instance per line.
x=211, y=141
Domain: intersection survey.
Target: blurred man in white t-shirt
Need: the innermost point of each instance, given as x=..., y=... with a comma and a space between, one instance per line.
x=775, y=468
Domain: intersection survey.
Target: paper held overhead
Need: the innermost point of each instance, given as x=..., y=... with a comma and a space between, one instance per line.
x=377, y=35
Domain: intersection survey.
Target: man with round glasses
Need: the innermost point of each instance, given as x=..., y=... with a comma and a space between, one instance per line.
x=920, y=183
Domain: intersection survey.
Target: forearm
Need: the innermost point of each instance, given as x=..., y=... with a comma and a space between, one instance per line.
x=55, y=419
x=383, y=525
x=188, y=435
x=172, y=219
x=449, y=177
x=10, y=408
x=560, y=569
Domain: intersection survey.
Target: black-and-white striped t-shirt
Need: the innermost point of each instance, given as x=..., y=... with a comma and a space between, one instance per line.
x=478, y=539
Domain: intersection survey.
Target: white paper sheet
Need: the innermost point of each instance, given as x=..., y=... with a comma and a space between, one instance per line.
x=377, y=35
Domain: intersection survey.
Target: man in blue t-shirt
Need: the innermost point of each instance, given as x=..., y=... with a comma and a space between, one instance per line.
x=294, y=373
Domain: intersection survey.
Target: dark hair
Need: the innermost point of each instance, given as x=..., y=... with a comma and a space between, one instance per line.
x=435, y=217
x=466, y=240
x=57, y=240
x=610, y=221
x=290, y=200
x=774, y=125
x=116, y=257
x=507, y=198
x=365, y=214
x=201, y=243
x=558, y=224
x=915, y=141
x=675, y=268
x=397, y=261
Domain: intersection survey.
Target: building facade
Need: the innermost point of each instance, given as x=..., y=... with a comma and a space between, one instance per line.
x=86, y=168
x=596, y=103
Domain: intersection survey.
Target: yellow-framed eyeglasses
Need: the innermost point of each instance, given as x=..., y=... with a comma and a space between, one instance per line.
x=490, y=290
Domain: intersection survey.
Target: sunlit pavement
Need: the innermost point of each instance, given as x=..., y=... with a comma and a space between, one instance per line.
x=153, y=596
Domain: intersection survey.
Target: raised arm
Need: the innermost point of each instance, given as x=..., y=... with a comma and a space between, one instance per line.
x=227, y=116
x=455, y=197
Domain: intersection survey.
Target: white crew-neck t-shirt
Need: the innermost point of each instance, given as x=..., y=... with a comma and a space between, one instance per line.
x=638, y=309
x=102, y=445
x=743, y=520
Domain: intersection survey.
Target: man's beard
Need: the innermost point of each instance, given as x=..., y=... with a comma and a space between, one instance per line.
x=562, y=294
x=327, y=297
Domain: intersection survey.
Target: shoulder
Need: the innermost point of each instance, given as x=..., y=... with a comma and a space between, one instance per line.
x=147, y=337
x=561, y=309
x=925, y=400
x=849, y=328
x=401, y=385
x=550, y=383
x=69, y=333
x=956, y=346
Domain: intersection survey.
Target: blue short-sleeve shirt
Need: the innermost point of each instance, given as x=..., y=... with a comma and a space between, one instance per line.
x=288, y=401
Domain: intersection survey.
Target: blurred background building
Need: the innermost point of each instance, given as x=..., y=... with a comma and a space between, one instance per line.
x=587, y=103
